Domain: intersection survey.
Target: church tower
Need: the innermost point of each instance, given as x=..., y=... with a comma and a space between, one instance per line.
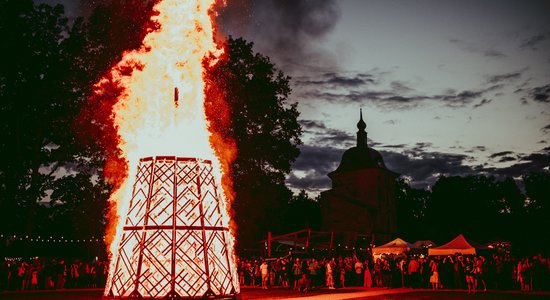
x=362, y=198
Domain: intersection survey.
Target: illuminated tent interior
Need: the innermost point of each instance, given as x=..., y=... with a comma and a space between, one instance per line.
x=397, y=246
x=424, y=244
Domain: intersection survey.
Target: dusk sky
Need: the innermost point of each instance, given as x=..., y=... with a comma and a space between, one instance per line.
x=446, y=87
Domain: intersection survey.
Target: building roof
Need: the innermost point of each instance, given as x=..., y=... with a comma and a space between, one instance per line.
x=361, y=156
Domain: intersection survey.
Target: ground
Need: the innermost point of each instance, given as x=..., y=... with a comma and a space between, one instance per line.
x=278, y=293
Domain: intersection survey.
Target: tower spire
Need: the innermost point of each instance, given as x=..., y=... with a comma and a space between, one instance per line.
x=361, y=133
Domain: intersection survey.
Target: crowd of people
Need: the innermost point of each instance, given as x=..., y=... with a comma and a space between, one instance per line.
x=48, y=274
x=472, y=272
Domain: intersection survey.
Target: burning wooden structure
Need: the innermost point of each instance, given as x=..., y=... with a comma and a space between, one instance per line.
x=176, y=241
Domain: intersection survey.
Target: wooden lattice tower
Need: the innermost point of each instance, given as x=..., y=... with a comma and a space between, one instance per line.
x=176, y=240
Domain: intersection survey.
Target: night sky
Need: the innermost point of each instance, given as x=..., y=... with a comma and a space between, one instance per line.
x=446, y=87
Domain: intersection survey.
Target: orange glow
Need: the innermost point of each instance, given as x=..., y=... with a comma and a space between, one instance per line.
x=160, y=107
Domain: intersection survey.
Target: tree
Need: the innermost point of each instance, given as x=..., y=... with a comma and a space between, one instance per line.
x=470, y=205
x=46, y=75
x=303, y=212
x=411, y=210
x=537, y=190
x=262, y=124
x=35, y=109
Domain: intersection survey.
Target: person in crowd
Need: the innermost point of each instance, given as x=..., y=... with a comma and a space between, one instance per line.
x=446, y=272
x=508, y=272
x=358, y=266
x=367, y=280
x=470, y=275
x=283, y=274
x=264, y=273
x=480, y=272
x=525, y=272
x=313, y=269
x=458, y=272
x=275, y=280
x=342, y=267
x=328, y=274
x=303, y=283
x=297, y=271
x=413, y=269
x=434, y=277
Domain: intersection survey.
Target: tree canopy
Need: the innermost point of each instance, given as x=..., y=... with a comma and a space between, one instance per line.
x=264, y=127
x=483, y=208
x=50, y=170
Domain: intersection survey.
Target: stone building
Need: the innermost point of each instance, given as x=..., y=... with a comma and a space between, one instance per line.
x=362, y=199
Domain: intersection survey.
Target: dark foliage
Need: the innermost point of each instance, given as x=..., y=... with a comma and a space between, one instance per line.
x=483, y=208
x=51, y=165
x=303, y=212
x=265, y=131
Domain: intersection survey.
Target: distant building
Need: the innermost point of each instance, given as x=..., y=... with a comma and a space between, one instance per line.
x=362, y=199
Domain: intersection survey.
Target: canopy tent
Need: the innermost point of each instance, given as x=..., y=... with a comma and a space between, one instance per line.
x=459, y=245
x=397, y=246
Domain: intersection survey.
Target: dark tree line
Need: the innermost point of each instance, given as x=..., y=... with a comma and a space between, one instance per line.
x=266, y=133
x=481, y=207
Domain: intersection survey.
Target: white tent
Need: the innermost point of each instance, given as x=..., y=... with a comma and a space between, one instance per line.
x=397, y=246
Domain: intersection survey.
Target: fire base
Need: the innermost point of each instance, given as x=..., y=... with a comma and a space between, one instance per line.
x=176, y=240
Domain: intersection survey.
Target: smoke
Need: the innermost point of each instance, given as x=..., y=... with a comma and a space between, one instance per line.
x=290, y=32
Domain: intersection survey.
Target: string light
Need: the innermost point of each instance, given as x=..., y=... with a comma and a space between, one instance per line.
x=49, y=239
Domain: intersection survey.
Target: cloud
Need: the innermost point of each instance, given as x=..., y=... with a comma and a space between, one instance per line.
x=321, y=135
x=475, y=149
x=541, y=94
x=397, y=146
x=335, y=137
x=507, y=159
x=400, y=87
x=384, y=99
x=391, y=122
x=473, y=48
x=313, y=165
x=480, y=148
x=483, y=102
x=373, y=88
x=335, y=80
x=286, y=30
x=457, y=99
x=527, y=163
x=312, y=125
x=498, y=154
x=533, y=41
x=507, y=77
x=423, y=167
x=315, y=162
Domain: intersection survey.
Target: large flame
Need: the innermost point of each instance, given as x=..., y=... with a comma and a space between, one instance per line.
x=160, y=110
